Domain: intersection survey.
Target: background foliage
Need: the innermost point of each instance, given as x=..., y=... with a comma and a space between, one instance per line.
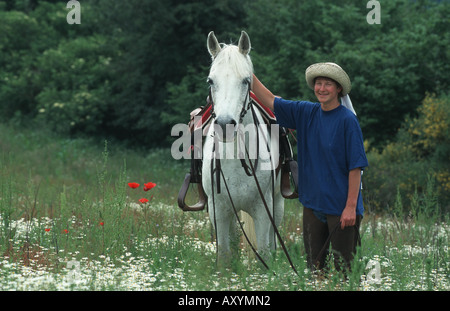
x=417, y=158
x=132, y=69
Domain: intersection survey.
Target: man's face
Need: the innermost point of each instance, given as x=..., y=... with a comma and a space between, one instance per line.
x=326, y=90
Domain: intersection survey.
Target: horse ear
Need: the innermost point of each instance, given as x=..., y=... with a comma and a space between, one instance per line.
x=213, y=45
x=244, y=43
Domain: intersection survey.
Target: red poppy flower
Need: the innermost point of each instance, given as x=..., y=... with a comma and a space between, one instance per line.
x=65, y=231
x=133, y=185
x=149, y=186
x=47, y=229
x=143, y=200
x=102, y=223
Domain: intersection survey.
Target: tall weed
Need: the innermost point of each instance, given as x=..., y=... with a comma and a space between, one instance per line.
x=94, y=219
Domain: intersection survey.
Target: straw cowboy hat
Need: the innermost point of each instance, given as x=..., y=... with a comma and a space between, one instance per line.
x=328, y=70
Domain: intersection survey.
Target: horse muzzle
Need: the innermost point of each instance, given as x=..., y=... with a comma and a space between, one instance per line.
x=225, y=129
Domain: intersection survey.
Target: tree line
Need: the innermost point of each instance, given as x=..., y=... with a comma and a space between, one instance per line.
x=132, y=69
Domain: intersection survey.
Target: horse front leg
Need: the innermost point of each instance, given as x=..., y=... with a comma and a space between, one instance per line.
x=221, y=224
x=262, y=231
x=278, y=213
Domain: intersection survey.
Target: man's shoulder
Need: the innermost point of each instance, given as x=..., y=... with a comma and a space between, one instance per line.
x=348, y=116
x=296, y=104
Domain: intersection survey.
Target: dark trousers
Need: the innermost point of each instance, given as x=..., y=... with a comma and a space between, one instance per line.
x=343, y=242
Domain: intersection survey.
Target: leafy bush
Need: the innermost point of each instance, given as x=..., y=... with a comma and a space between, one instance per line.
x=78, y=75
x=420, y=152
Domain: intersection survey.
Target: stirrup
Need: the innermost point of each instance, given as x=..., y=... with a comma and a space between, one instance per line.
x=200, y=205
x=286, y=168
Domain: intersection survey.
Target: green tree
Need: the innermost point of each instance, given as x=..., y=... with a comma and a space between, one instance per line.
x=160, y=41
x=145, y=62
x=17, y=62
x=391, y=65
x=78, y=73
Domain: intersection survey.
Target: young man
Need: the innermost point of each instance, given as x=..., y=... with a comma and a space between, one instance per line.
x=331, y=157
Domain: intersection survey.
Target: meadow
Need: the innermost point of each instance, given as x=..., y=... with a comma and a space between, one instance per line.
x=70, y=221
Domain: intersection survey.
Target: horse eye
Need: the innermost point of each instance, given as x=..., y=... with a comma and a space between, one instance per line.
x=246, y=81
x=210, y=81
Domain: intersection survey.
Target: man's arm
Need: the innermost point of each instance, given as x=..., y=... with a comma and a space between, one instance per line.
x=264, y=95
x=348, y=216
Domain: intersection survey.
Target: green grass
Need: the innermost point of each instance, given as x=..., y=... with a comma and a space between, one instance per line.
x=69, y=221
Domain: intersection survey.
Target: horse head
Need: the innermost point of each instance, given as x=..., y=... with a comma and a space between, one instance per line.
x=229, y=78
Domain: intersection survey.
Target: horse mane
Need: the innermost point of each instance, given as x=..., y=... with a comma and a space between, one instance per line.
x=230, y=57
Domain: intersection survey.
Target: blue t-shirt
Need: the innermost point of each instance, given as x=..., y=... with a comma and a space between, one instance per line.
x=329, y=145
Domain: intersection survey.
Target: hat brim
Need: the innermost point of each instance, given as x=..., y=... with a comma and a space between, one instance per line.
x=328, y=70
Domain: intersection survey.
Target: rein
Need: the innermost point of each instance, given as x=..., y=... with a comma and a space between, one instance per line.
x=250, y=171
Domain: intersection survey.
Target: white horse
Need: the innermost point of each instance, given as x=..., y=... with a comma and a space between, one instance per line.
x=230, y=79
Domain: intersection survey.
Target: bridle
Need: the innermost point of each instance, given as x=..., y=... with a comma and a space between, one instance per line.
x=247, y=105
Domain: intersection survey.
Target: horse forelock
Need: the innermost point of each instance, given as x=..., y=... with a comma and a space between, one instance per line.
x=229, y=58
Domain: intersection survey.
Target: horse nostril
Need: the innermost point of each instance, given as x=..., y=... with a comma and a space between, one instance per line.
x=226, y=127
x=224, y=121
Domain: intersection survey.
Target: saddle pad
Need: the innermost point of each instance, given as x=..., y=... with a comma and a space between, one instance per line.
x=266, y=111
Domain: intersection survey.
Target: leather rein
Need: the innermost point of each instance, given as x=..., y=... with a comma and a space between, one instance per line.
x=250, y=171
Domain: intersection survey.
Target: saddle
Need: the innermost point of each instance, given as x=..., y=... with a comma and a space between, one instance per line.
x=287, y=166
